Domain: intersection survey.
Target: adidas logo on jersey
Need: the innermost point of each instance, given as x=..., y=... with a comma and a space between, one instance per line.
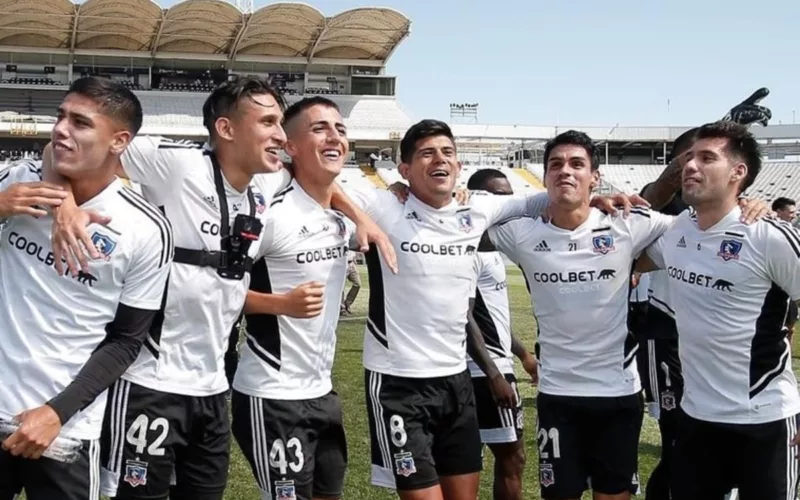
x=304, y=232
x=412, y=216
x=682, y=242
x=541, y=247
x=211, y=201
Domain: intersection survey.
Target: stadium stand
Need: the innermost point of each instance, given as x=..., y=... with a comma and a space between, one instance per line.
x=354, y=177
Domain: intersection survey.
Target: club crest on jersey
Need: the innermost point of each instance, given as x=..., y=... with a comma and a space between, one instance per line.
x=135, y=473
x=603, y=243
x=261, y=203
x=404, y=464
x=342, y=228
x=668, y=402
x=465, y=222
x=546, y=475
x=285, y=490
x=103, y=244
x=729, y=250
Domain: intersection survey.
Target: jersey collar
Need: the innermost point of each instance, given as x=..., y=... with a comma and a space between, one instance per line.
x=421, y=205
x=109, y=190
x=732, y=217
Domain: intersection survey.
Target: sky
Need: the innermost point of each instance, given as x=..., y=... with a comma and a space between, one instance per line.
x=593, y=62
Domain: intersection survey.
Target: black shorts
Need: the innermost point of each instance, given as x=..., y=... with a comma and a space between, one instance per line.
x=660, y=371
x=421, y=429
x=497, y=425
x=712, y=458
x=152, y=440
x=296, y=449
x=46, y=479
x=588, y=437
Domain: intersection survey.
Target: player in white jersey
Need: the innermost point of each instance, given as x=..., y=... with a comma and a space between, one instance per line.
x=66, y=339
x=500, y=428
x=355, y=280
x=425, y=436
x=729, y=284
x=284, y=406
x=168, y=415
x=579, y=265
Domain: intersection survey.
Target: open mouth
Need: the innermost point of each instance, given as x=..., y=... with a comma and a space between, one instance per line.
x=440, y=173
x=331, y=154
x=273, y=151
x=60, y=146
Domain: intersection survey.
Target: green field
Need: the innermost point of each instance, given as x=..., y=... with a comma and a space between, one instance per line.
x=349, y=382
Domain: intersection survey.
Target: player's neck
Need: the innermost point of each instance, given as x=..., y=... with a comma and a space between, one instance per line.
x=233, y=172
x=433, y=200
x=321, y=192
x=710, y=213
x=84, y=190
x=569, y=218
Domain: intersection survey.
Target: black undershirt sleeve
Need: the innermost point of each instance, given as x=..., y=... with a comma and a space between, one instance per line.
x=124, y=338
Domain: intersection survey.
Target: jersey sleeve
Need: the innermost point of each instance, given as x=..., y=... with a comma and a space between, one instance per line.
x=647, y=226
x=477, y=269
x=504, y=239
x=499, y=209
x=270, y=184
x=269, y=242
x=783, y=257
x=372, y=201
x=21, y=171
x=156, y=162
x=656, y=252
x=148, y=272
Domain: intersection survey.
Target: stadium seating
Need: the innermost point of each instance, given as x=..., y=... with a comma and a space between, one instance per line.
x=776, y=179
x=630, y=178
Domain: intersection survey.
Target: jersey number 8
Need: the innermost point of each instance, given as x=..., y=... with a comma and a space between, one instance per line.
x=137, y=435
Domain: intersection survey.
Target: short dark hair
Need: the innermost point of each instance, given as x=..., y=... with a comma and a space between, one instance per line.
x=224, y=99
x=782, y=202
x=297, y=108
x=682, y=143
x=479, y=179
x=422, y=130
x=575, y=138
x=114, y=99
x=740, y=143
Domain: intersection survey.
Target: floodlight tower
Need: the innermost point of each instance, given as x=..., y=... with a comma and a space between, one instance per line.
x=245, y=6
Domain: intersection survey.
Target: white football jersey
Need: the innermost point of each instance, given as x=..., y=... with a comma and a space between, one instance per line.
x=579, y=283
x=51, y=324
x=729, y=287
x=417, y=318
x=284, y=357
x=200, y=307
x=491, y=312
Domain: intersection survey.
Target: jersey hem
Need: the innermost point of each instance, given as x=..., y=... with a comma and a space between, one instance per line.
x=441, y=372
x=597, y=394
x=174, y=389
x=760, y=419
x=295, y=394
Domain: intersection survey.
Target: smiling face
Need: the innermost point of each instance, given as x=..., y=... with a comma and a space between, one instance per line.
x=254, y=132
x=317, y=142
x=433, y=170
x=85, y=139
x=569, y=177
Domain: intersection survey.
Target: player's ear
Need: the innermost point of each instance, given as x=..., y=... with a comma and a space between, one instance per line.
x=403, y=169
x=290, y=148
x=739, y=172
x=224, y=128
x=119, y=141
x=595, y=179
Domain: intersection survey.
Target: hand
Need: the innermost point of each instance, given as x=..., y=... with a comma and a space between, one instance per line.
x=69, y=238
x=796, y=442
x=38, y=428
x=610, y=203
x=368, y=232
x=502, y=391
x=635, y=277
x=305, y=301
x=28, y=198
x=753, y=210
x=462, y=196
x=749, y=112
x=530, y=365
x=400, y=190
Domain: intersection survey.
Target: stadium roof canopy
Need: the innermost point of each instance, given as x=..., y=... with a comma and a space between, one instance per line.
x=202, y=27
